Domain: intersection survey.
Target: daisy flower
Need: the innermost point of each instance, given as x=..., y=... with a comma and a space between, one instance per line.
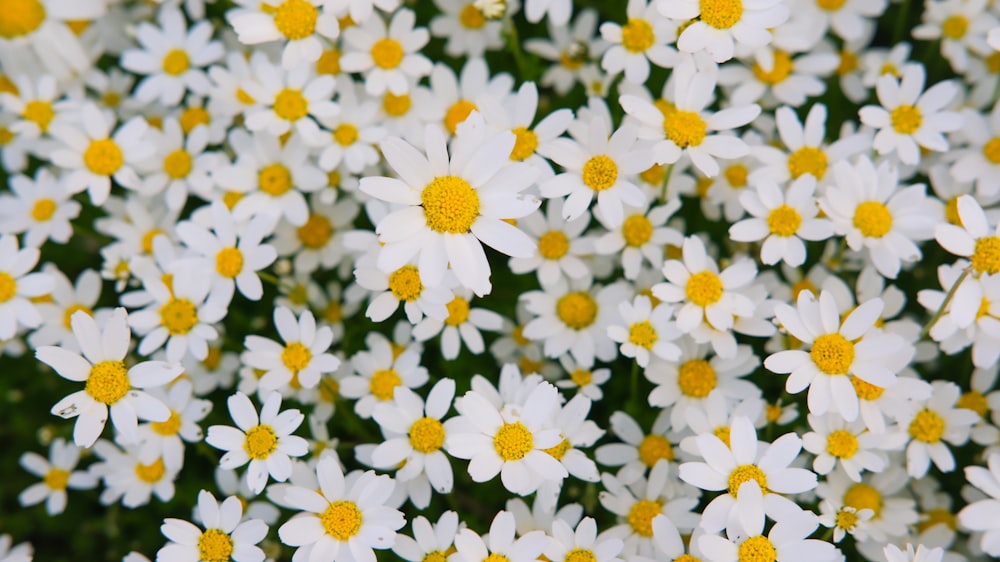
x=320, y=242
x=346, y=518
x=979, y=161
x=641, y=237
x=168, y=437
x=848, y=445
x=428, y=540
x=782, y=220
x=500, y=543
x=583, y=543
x=517, y=117
x=132, y=475
x=291, y=100
x=981, y=515
x=299, y=23
x=786, y=541
x=18, y=286
x=570, y=48
x=884, y=494
x=468, y=31
x=637, y=451
x=643, y=39
x=388, y=56
x=37, y=35
x=908, y=117
x=66, y=299
x=265, y=442
x=108, y=383
x=451, y=99
x=932, y=423
x=561, y=247
x=851, y=20
x=36, y=103
x=356, y=131
x=453, y=203
x=180, y=165
x=226, y=535
x=378, y=370
x=20, y=553
x=722, y=25
x=975, y=239
x=57, y=473
x=647, y=330
x=961, y=27
x=402, y=286
x=303, y=360
x=462, y=325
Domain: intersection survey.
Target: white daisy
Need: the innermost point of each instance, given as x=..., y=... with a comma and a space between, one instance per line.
x=320, y=242
x=167, y=437
x=638, y=451
x=848, y=445
x=300, y=23
x=18, y=286
x=647, y=331
x=981, y=515
x=37, y=35
x=132, y=475
x=641, y=237
x=388, y=56
x=583, y=543
x=722, y=25
x=462, y=325
x=378, y=370
x=57, y=473
x=499, y=543
x=291, y=100
x=569, y=48
x=785, y=541
x=931, y=424
x=961, y=27
x=226, y=535
x=468, y=31
x=302, y=360
x=181, y=165
x=428, y=540
x=561, y=247
x=644, y=38
x=66, y=299
x=979, y=161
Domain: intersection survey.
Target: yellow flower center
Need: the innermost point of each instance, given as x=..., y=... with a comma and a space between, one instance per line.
x=5, y=135
x=696, y=378
x=457, y=113
x=848, y=60
x=43, y=209
x=295, y=19
x=471, y=17
x=655, y=448
x=807, y=160
x=494, y=557
x=842, y=444
x=171, y=426
x=274, y=179
x=757, y=549
x=975, y=401
x=39, y=112
x=291, y=105
x=260, y=442
x=833, y=354
x=178, y=316
x=243, y=97
x=600, y=173
x=641, y=514
x=581, y=377
x=654, y=175
x=577, y=310
x=934, y=517
x=396, y=106
x=458, y=311
x=151, y=473
x=721, y=14
x=927, y=426
x=778, y=73
x=426, y=435
x=991, y=150
x=525, y=143
x=637, y=230
x=194, y=116
x=772, y=412
x=341, y=520
x=513, y=441
x=951, y=212
x=316, y=232
x=642, y=334
x=103, y=157
x=387, y=53
x=580, y=555
x=73, y=309
x=56, y=479
x=329, y=62
x=177, y=164
x=450, y=205
x=345, y=134
x=8, y=287
x=862, y=496
x=435, y=556
x=214, y=546
x=229, y=262
x=704, y=288
x=684, y=128
x=847, y=518
x=108, y=382
x=405, y=283
x=637, y=35
x=784, y=221
x=986, y=257
x=866, y=390
x=736, y=175
x=906, y=119
x=830, y=5
x=553, y=245
x=383, y=383
x=176, y=62
x=20, y=17
x=954, y=27
x=686, y=558
x=873, y=219
x=559, y=451
x=296, y=357
x=722, y=432
x=745, y=473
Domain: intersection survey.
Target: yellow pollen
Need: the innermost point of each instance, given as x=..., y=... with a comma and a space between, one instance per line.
x=553, y=245
x=600, y=173
x=275, y=179
x=975, y=401
x=722, y=432
x=577, y=310
x=560, y=450
x=296, y=357
x=20, y=17
x=757, y=549
x=581, y=377
x=847, y=518
x=784, y=221
x=684, y=128
x=906, y=119
x=641, y=514
x=329, y=62
x=637, y=230
x=151, y=473
x=803, y=285
x=991, y=150
x=807, y=160
x=43, y=209
x=654, y=175
x=316, y=232
x=779, y=72
x=934, y=517
x=580, y=555
x=103, y=157
x=169, y=427
x=296, y=19
x=873, y=219
x=108, y=382
x=341, y=520
x=889, y=68
x=721, y=14
x=435, y=556
x=387, y=53
x=830, y=5
x=686, y=558
x=832, y=354
x=986, y=257
x=927, y=426
x=666, y=107
x=637, y=35
x=494, y=557
x=5, y=135
x=745, y=473
x=178, y=316
x=111, y=99
x=642, y=334
x=345, y=134
x=260, y=442
x=457, y=113
x=291, y=105
x=147, y=239
x=56, y=479
x=954, y=27
x=704, y=288
x=194, y=116
x=525, y=143
x=513, y=441
x=39, y=112
x=842, y=444
x=214, y=546
x=383, y=383
x=396, y=106
x=231, y=198
x=243, y=97
x=848, y=60
x=405, y=283
x=993, y=62
x=528, y=366
x=736, y=175
x=862, y=496
x=866, y=390
x=655, y=448
x=176, y=62
x=73, y=309
x=329, y=389
x=471, y=17
x=450, y=205
x=6, y=85
x=696, y=378
x=458, y=311
x=177, y=164
x=426, y=435
x=772, y=412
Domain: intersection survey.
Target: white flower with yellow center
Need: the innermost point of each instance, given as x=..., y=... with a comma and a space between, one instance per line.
x=18, y=287
x=402, y=286
x=265, y=442
x=569, y=49
x=57, y=474
x=378, y=370
x=921, y=553
x=451, y=99
x=227, y=536
x=753, y=476
x=976, y=239
x=647, y=331
x=414, y=440
x=454, y=202
x=428, y=540
x=511, y=440
x=298, y=23
x=838, y=351
x=644, y=38
x=172, y=58
x=641, y=237
x=884, y=494
x=320, y=242
x=36, y=34
x=180, y=165
x=66, y=299
x=971, y=318
x=499, y=545
x=638, y=451
x=981, y=515
x=872, y=211
x=979, y=161
x=355, y=132
x=92, y=156
x=388, y=56
x=909, y=118
x=301, y=361
x=462, y=325
x=132, y=475
x=719, y=26
x=782, y=220
x=561, y=247
x=851, y=20
x=469, y=33
x=931, y=424
x=168, y=437
x=961, y=27
x=848, y=445
x=36, y=106
x=582, y=543
x=291, y=100
x=786, y=541
x=108, y=383
x=41, y=209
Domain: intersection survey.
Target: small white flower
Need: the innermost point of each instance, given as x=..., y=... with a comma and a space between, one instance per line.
x=57, y=473
x=982, y=515
x=226, y=535
x=647, y=331
x=388, y=56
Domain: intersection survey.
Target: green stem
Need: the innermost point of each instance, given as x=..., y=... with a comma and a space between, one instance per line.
x=634, y=399
x=945, y=303
x=666, y=182
x=901, y=27
x=514, y=45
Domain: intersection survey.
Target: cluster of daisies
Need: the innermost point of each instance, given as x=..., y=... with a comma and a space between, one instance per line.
x=705, y=281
